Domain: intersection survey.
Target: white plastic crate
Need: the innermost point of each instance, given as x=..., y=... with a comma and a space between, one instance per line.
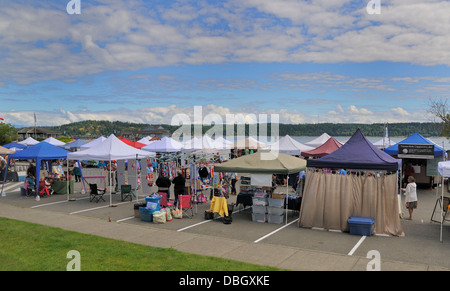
x=259, y=217
x=275, y=210
x=276, y=202
x=276, y=219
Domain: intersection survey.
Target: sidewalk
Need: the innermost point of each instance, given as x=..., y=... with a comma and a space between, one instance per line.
x=265, y=254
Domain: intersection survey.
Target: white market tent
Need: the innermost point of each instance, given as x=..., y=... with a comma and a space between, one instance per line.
x=54, y=141
x=249, y=143
x=289, y=146
x=193, y=144
x=110, y=149
x=222, y=143
x=383, y=143
x=29, y=141
x=164, y=145
x=318, y=141
x=93, y=143
x=145, y=140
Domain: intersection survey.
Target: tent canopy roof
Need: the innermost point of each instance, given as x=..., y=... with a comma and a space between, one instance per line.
x=164, y=145
x=14, y=145
x=42, y=151
x=415, y=138
x=263, y=162
x=325, y=149
x=319, y=140
x=110, y=149
x=288, y=145
x=75, y=144
x=357, y=153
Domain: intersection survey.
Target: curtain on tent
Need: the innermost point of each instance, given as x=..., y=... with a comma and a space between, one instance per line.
x=329, y=199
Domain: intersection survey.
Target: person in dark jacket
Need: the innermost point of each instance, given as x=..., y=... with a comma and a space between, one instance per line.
x=163, y=184
x=179, y=183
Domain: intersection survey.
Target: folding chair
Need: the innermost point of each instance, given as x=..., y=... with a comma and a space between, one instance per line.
x=185, y=202
x=96, y=194
x=29, y=189
x=126, y=192
x=164, y=201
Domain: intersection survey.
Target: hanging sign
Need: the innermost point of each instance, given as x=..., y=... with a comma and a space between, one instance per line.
x=416, y=151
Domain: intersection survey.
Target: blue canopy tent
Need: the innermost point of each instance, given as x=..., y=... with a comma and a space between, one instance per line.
x=15, y=146
x=39, y=152
x=418, y=139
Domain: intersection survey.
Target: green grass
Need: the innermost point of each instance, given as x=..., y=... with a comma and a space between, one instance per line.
x=33, y=247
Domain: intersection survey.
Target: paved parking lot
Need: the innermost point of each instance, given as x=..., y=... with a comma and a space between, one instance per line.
x=420, y=245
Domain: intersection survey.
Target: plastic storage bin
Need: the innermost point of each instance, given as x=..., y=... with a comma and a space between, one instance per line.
x=156, y=200
x=275, y=210
x=259, y=217
x=259, y=209
x=146, y=214
x=260, y=201
x=276, y=202
x=273, y=218
x=361, y=225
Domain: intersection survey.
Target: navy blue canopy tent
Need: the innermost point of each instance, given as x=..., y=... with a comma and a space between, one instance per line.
x=39, y=152
x=357, y=153
x=415, y=138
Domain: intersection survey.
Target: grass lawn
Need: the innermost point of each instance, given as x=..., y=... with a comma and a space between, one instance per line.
x=33, y=247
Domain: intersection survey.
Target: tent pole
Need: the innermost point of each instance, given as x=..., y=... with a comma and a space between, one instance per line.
x=137, y=186
x=4, y=176
x=110, y=189
x=442, y=194
x=286, y=198
x=68, y=180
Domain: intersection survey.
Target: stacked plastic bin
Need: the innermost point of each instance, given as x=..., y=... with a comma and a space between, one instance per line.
x=275, y=210
x=259, y=208
x=153, y=203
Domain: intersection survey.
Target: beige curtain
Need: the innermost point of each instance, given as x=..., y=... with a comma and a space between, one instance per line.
x=329, y=199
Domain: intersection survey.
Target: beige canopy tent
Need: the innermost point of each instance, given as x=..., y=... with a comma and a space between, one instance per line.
x=263, y=162
x=5, y=151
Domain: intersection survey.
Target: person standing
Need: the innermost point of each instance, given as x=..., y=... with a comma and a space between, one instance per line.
x=411, y=196
x=179, y=185
x=234, y=179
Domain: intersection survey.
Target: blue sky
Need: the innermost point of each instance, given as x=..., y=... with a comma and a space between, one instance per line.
x=146, y=61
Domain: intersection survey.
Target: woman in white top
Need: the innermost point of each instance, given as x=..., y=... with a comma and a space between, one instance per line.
x=411, y=196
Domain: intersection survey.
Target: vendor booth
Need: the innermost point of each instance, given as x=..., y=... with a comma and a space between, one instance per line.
x=421, y=153
x=264, y=164
x=356, y=180
x=39, y=152
x=110, y=149
x=444, y=201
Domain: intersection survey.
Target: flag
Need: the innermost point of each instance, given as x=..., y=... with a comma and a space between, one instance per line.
x=34, y=117
x=1, y=118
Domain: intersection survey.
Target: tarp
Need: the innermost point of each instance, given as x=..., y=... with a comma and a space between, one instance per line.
x=95, y=142
x=39, y=152
x=415, y=138
x=164, y=145
x=319, y=140
x=54, y=141
x=76, y=144
x=357, y=153
x=289, y=146
x=29, y=141
x=325, y=149
x=263, y=162
x=109, y=150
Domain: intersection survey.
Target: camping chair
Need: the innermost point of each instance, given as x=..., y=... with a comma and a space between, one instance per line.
x=96, y=194
x=444, y=206
x=126, y=192
x=164, y=201
x=29, y=189
x=185, y=202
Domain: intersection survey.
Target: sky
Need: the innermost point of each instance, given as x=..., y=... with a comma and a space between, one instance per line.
x=339, y=61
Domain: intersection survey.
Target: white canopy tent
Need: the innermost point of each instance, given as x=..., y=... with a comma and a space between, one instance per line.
x=54, y=141
x=383, y=143
x=318, y=141
x=29, y=141
x=289, y=146
x=110, y=149
x=95, y=142
x=164, y=145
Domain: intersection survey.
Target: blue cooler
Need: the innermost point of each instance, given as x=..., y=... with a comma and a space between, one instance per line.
x=156, y=200
x=361, y=225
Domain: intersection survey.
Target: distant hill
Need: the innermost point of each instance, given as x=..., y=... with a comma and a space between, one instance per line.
x=96, y=128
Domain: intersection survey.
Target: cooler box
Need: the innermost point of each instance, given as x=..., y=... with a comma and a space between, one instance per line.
x=156, y=200
x=361, y=225
x=146, y=214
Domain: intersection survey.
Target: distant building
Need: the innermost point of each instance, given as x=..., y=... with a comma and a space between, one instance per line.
x=41, y=133
x=154, y=130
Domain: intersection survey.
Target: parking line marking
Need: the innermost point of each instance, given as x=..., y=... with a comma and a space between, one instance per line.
x=276, y=230
x=123, y=219
x=357, y=245
x=181, y=229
